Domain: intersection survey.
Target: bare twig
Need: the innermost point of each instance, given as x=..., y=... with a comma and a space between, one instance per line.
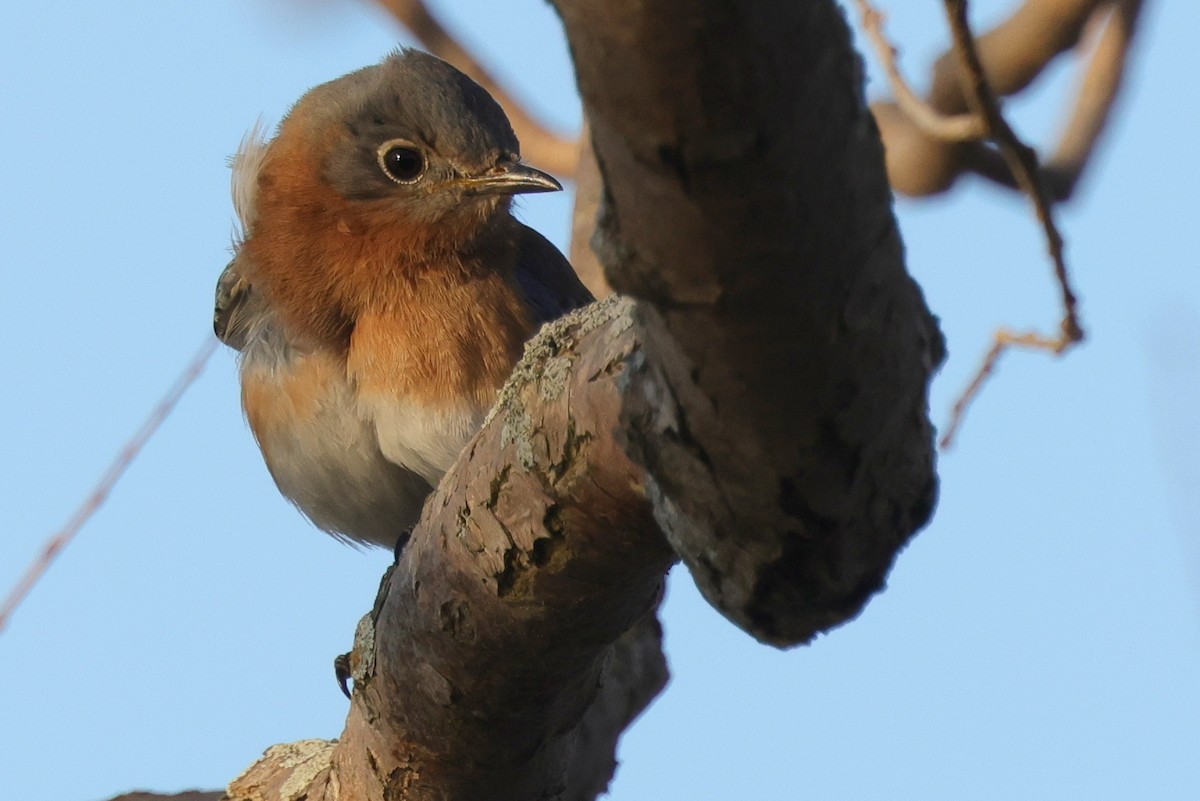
x=99, y=494
x=927, y=141
x=1022, y=159
x=1004, y=339
x=549, y=150
x=1023, y=163
x=947, y=127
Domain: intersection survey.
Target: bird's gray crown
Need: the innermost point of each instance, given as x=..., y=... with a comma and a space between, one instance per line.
x=412, y=96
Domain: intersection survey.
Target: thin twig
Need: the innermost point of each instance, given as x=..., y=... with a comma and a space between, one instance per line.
x=1023, y=162
x=947, y=127
x=100, y=492
x=1022, y=159
x=1004, y=339
x=548, y=150
x=1014, y=53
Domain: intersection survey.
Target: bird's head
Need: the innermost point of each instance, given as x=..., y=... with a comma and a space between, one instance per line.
x=371, y=181
x=414, y=139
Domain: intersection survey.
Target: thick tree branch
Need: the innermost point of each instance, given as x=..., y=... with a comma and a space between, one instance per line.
x=1016, y=51
x=1098, y=92
x=745, y=203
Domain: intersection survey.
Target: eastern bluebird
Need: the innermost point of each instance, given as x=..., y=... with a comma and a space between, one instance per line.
x=381, y=291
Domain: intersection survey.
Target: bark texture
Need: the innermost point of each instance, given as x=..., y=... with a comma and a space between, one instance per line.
x=746, y=203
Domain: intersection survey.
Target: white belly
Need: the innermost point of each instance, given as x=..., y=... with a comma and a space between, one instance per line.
x=424, y=439
x=324, y=453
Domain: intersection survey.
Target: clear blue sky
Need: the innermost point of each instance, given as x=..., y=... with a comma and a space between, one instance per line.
x=1041, y=639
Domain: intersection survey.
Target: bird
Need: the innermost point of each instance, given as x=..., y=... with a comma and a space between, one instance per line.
x=381, y=290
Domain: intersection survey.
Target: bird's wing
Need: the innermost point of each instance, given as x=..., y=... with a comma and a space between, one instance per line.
x=547, y=278
x=237, y=306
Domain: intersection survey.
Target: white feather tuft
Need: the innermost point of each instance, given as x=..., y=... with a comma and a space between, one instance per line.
x=244, y=181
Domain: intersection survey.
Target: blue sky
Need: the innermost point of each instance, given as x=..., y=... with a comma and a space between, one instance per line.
x=1041, y=639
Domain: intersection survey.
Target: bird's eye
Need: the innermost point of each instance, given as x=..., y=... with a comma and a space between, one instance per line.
x=401, y=162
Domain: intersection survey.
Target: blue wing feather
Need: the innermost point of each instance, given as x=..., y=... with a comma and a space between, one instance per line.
x=547, y=278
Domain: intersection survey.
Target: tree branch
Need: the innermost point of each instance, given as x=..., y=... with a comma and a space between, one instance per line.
x=745, y=203
x=948, y=128
x=925, y=158
x=1098, y=92
x=1023, y=164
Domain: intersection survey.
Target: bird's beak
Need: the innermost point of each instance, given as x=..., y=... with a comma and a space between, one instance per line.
x=512, y=179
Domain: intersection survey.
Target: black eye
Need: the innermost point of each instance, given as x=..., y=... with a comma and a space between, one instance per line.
x=402, y=163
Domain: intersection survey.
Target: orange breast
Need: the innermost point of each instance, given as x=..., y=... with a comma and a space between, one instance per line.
x=414, y=317
x=440, y=340
x=277, y=400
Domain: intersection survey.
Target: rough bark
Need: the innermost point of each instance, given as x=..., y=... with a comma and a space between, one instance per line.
x=771, y=379
x=746, y=204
